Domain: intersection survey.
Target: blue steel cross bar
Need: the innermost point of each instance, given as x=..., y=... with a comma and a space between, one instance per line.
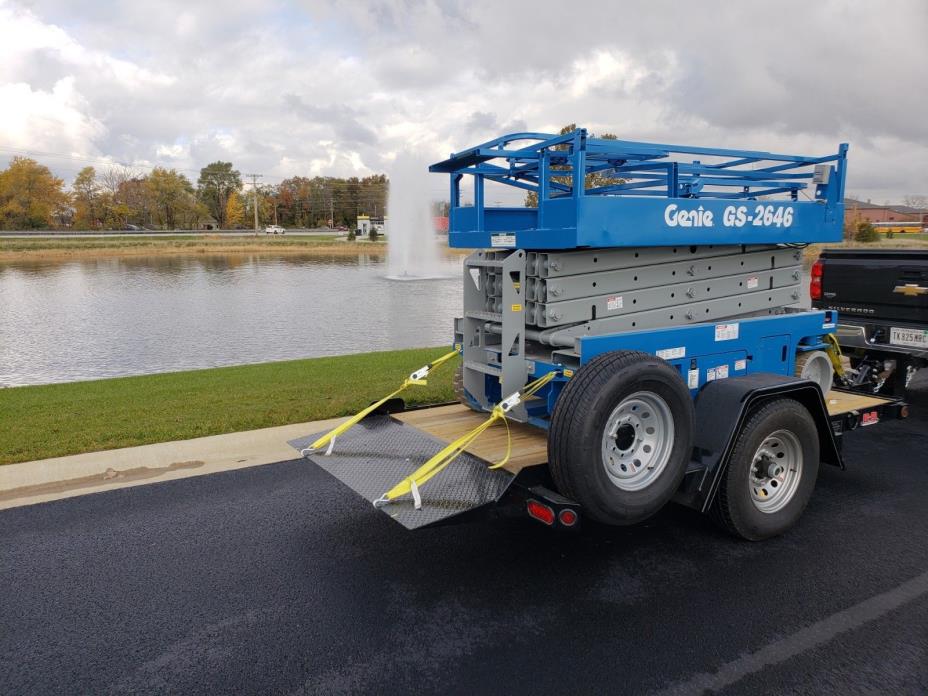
x=648, y=194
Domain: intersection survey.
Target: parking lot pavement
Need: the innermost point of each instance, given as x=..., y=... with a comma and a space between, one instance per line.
x=276, y=579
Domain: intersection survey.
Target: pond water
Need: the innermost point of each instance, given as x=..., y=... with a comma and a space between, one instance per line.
x=106, y=317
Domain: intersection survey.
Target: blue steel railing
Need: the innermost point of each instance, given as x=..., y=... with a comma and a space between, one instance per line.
x=559, y=167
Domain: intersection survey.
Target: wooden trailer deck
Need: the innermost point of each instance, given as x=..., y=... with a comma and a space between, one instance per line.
x=530, y=444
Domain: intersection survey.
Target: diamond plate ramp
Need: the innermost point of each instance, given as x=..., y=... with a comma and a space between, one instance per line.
x=380, y=451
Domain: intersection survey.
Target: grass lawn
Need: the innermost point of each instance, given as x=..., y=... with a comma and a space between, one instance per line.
x=60, y=419
x=21, y=248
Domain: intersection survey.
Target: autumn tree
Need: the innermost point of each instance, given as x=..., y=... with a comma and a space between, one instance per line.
x=31, y=197
x=171, y=196
x=85, y=195
x=112, y=183
x=267, y=200
x=134, y=200
x=295, y=195
x=235, y=210
x=216, y=183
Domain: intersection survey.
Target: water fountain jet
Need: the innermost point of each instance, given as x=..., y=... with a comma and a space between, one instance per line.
x=412, y=247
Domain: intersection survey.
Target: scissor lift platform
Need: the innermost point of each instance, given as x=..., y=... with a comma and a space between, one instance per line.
x=383, y=449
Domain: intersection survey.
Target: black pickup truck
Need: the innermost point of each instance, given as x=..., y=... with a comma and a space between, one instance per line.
x=882, y=301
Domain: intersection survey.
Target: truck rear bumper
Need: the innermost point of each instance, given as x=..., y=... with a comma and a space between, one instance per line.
x=873, y=334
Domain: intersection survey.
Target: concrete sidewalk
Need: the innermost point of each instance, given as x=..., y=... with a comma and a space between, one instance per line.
x=43, y=480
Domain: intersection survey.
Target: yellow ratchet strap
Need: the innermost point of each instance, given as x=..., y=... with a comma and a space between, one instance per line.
x=453, y=450
x=417, y=378
x=834, y=354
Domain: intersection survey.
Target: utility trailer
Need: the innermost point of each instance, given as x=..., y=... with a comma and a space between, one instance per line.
x=630, y=340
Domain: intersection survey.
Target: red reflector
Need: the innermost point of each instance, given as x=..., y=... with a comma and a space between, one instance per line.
x=540, y=512
x=568, y=517
x=904, y=411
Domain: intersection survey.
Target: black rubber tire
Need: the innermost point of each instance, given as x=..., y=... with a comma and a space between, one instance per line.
x=733, y=509
x=575, y=436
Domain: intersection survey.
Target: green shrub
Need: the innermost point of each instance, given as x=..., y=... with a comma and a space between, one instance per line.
x=866, y=233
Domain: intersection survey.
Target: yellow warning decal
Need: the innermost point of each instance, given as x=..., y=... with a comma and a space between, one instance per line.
x=516, y=308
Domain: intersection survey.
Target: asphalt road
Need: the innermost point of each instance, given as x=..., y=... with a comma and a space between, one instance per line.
x=277, y=580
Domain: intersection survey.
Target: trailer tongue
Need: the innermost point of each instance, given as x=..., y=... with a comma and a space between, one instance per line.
x=630, y=340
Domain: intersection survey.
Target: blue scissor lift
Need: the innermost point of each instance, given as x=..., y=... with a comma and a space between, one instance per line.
x=648, y=298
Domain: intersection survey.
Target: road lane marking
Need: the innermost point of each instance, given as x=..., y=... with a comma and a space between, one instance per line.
x=803, y=640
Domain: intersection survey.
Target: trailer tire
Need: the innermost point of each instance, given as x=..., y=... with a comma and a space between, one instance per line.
x=621, y=436
x=756, y=500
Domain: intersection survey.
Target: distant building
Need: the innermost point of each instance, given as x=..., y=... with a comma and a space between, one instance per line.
x=856, y=211
x=365, y=222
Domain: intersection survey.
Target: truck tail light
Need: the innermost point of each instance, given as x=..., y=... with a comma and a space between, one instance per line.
x=815, y=285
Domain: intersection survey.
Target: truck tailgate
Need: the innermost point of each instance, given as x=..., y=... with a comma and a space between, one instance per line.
x=890, y=284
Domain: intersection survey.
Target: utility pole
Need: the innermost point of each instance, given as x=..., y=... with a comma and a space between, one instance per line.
x=254, y=190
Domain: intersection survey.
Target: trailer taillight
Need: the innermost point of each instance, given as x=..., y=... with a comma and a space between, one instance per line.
x=540, y=512
x=815, y=285
x=568, y=517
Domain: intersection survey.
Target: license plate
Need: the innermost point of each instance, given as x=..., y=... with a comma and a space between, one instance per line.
x=913, y=338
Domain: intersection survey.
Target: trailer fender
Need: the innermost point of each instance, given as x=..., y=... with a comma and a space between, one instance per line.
x=722, y=407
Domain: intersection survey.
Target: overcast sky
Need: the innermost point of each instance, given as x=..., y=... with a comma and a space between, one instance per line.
x=316, y=88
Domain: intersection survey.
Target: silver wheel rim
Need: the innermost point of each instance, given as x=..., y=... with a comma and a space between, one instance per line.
x=637, y=441
x=776, y=471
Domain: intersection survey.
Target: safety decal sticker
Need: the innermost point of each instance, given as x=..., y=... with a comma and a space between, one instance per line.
x=726, y=332
x=507, y=241
x=672, y=353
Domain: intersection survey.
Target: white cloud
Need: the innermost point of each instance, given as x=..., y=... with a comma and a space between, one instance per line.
x=171, y=151
x=52, y=121
x=338, y=86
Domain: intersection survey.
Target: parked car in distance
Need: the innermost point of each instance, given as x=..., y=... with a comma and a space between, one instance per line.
x=274, y=229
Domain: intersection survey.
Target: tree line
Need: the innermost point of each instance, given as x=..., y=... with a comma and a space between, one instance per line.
x=119, y=197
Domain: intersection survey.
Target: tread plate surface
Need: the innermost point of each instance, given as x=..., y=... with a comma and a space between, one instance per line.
x=380, y=451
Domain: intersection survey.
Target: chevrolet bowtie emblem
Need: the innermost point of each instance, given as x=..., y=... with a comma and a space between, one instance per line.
x=910, y=290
